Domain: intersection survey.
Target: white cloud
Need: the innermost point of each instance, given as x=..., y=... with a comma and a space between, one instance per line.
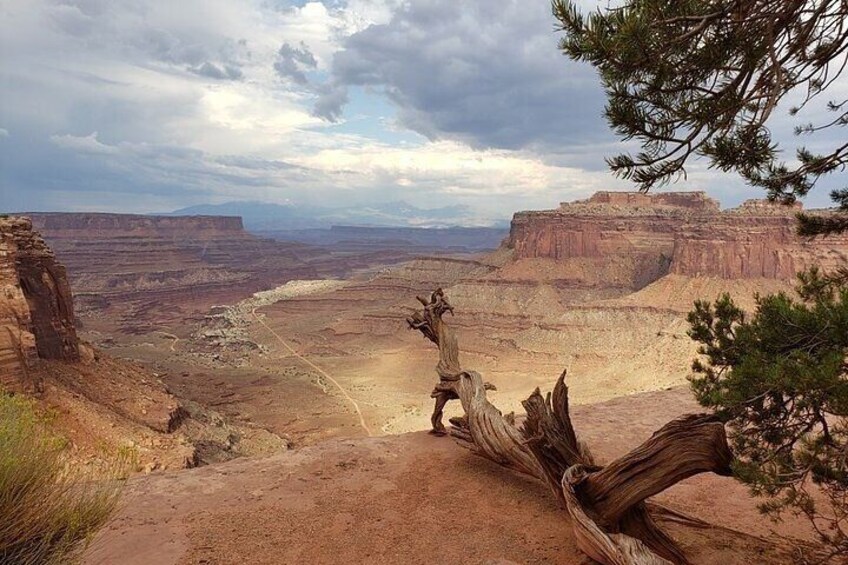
x=83, y=144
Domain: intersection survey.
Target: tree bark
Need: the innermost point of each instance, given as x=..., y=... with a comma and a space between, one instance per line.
x=610, y=549
x=682, y=448
x=609, y=516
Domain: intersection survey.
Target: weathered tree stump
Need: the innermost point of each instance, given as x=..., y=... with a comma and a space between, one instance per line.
x=606, y=505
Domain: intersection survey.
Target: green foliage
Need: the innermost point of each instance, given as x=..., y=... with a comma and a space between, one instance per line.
x=703, y=77
x=49, y=510
x=780, y=382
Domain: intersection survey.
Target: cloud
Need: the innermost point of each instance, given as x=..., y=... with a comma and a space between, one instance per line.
x=148, y=106
x=330, y=102
x=292, y=62
x=485, y=72
x=218, y=72
x=83, y=144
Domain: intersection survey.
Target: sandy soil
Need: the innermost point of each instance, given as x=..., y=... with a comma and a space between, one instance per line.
x=335, y=359
x=412, y=498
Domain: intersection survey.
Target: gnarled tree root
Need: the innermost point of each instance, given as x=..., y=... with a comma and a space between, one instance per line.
x=607, y=507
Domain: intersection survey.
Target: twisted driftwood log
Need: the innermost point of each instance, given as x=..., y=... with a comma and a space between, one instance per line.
x=611, y=521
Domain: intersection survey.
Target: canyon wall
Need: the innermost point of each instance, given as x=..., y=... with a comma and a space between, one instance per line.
x=36, y=309
x=612, y=239
x=635, y=238
x=88, y=225
x=152, y=267
x=755, y=240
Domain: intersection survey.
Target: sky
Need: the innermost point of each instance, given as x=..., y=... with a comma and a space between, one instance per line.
x=149, y=106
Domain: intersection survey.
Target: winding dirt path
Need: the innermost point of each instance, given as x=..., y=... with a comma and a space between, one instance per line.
x=321, y=371
x=171, y=336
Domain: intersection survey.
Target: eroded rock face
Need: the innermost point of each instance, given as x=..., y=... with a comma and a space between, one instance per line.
x=632, y=239
x=70, y=225
x=36, y=309
x=614, y=239
x=150, y=266
x=755, y=240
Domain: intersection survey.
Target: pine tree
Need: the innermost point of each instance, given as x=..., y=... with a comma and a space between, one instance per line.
x=703, y=77
x=780, y=382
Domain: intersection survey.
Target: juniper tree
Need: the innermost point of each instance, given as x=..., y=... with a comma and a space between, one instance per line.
x=703, y=78
x=780, y=382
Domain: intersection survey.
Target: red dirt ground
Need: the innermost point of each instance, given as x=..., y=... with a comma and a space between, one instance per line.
x=411, y=498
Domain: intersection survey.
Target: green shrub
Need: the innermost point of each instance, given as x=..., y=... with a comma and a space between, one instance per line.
x=48, y=509
x=779, y=379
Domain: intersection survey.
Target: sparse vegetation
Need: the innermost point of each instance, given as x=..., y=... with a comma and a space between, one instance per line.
x=49, y=509
x=780, y=382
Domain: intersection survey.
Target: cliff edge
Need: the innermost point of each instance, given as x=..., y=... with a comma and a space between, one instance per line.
x=631, y=239
x=36, y=312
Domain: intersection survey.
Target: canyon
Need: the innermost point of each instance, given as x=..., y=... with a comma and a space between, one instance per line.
x=598, y=286
x=200, y=342
x=144, y=268
x=102, y=405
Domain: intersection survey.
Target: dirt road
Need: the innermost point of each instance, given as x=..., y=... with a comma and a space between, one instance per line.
x=320, y=371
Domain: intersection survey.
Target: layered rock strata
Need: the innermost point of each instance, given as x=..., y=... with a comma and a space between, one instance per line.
x=36, y=309
x=140, y=263
x=633, y=239
x=755, y=240
x=611, y=239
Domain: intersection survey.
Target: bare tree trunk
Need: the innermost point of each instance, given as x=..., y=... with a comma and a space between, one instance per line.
x=606, y=505
x=682, y=448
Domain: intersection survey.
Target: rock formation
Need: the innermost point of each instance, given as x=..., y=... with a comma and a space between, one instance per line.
x=632, y=239
x=36, y=309
x=101, y=403
x=148, y=265
x=755, y=240
x=611, y=239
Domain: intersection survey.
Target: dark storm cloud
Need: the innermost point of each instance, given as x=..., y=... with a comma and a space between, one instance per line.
x=486, y=72
x=330, y=103
x=292, y=62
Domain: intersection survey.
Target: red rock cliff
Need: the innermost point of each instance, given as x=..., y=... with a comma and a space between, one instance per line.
x=685, y=233
x=90, y=225
x=36, y=310
x=633, y=232
x=152, y=268
x=755, y=240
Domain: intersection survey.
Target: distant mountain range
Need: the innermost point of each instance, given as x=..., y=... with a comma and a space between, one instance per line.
x=265, y=216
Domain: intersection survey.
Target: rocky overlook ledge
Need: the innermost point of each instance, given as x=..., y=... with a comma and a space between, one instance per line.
x=645, y=236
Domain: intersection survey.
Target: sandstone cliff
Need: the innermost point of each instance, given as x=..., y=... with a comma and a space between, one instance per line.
x=36, y=310
x=632, y=239
x=611, y=239
x=755, y=240
x=64, y=225
x=152, y=267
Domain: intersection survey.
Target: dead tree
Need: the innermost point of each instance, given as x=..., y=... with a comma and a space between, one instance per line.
x=611, y=521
